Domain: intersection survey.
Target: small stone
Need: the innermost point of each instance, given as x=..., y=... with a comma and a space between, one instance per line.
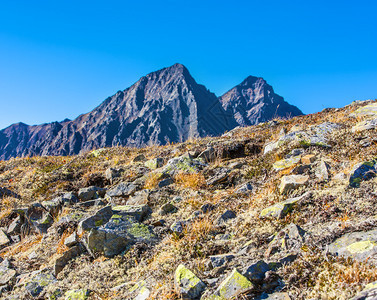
x=15, y=226
x=244, y=188
x=139, y=158
x=187, y=284
x=71, y=240
x=256, y=272
x=7, y=275
x=225, y=217
x=221, y=174
x=70, y=198
x=295, y=152
x=112, y=173
x=4, y=240
x=207, y=207
x=165, y=182
x=177, y=227
x=208, y=155
x=220, y=260
x=234, y=285
x=300, y=169
x=308, y=159
x=292, y=182
x=167, y=208
x=89, y=203
x=322, y=171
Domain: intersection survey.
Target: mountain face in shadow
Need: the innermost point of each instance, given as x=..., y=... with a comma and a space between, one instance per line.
x=163, y=107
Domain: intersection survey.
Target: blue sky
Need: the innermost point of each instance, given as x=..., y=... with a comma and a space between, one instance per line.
x=59, y=59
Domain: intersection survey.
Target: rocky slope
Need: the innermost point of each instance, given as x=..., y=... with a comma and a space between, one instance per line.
x=281, y=210
x=163, y=107
x=254, y=101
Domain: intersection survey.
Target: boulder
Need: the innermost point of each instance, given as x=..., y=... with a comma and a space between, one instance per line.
x=99, y=218
x=281, y=209
x=292, y=182
x=123, y=189
x=119, y=233
x=358, y=245
x=165, y=182
x=91, y=193
x=7, y=275
x=308, y=159
x=140, y=198
x=365, y=125
x=367, y=110
x=167, y=208
x=70, y=198
x=234, y=285
x=139, y=212
x=244, y=188
x=139, y=158
x=184, y=163
x=154, y=163
x=256, y=272
x=370, y=294
x=289, y=239
x=64, y=258
x=71, y=240
x=220, y=175
x=208, y=155
x=15, y=227
x=38, y=283
x=112, y=173
x=361, y=172
x=187, y=284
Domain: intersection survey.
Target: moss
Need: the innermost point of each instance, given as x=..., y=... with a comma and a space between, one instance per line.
x=360, y=247
x=234, y=285
x=98, y=222
x=77, y=294
x=139, y=230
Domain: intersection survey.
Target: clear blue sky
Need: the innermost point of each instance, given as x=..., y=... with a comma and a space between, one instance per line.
x=59, y=59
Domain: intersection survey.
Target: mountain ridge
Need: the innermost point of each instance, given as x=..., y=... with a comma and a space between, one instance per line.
x=164, y=106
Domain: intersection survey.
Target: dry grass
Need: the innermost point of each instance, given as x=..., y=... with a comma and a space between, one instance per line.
x=194, y=181
x=152, y=180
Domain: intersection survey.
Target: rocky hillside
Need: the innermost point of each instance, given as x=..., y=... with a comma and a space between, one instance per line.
x=163, y=107
x=282, y=210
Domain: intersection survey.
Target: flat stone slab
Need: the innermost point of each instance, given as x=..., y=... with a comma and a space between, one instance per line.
x=286, y=163
x=292, y=182
x=7, y=275
x=4, y=240
x=367, y=110
x=358, y=245
x=365, y=125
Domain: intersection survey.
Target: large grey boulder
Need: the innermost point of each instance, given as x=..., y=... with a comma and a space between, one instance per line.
x=100, y=217
x=91, y=193
x=187, y=284
x=123, y=189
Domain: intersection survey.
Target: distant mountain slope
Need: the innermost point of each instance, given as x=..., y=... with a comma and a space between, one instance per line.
x=254, y=101
x=163, y=107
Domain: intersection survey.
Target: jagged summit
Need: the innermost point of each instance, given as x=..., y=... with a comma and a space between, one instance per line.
x=164, y=106
x=254, y=101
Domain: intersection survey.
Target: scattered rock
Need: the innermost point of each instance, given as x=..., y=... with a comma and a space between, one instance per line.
x=308, y=159
x=140, y=198
x=167, y=208
x=82, y=294
x=208, y=155
x=7, y=275
x=64, y=258
x=292, y=182
x=370, y=294
x=220, y=260
x=365, y=125
x=280, y=210
x=358, y=245
x=38, y=283
x=220, y=175
x=367, y=110
x=101, y=217
x=91, y=193
x=207, y=207
x=286, y=163
x=139, y=158
x=112, y=173
x=14, y=227
x=123, y=189
x=71, y=240
x=154, y=163
x=184, y=163
x=225, y=217
x=361, y=172
x=139, y=212
x=322, y=171
x=256, y=272
x=177, y=227
x=235, y=284
x=4, y=240
x=165, y=182
x=187, y=284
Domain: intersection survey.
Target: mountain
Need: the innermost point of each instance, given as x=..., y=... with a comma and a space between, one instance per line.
x=254, y=101
x=162, y=107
